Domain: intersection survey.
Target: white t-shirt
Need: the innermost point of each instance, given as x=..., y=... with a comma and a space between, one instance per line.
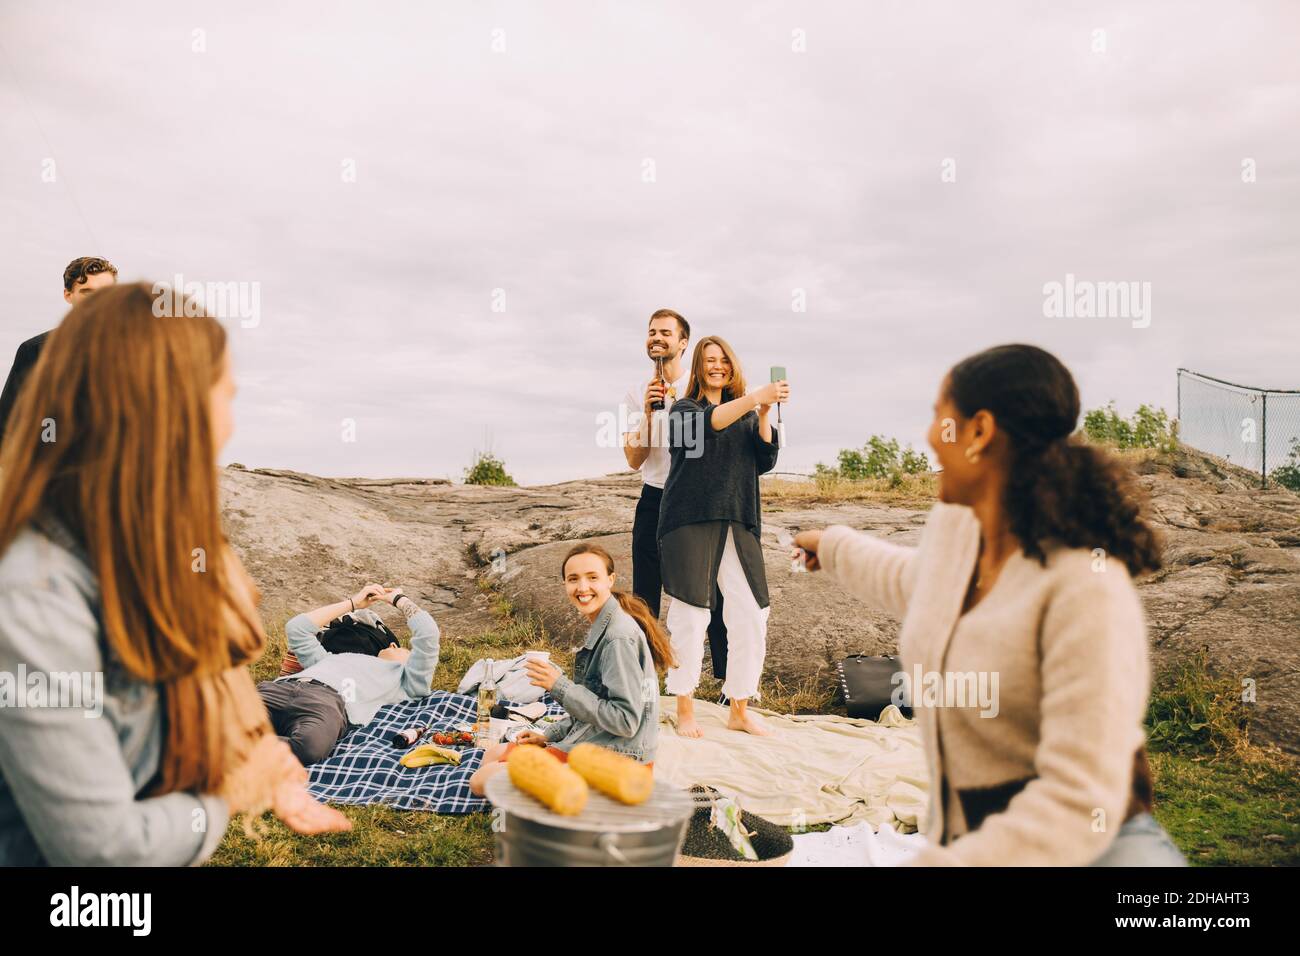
x=654, y=470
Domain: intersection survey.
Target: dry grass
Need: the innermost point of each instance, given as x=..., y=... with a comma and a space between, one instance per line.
x=917, y=491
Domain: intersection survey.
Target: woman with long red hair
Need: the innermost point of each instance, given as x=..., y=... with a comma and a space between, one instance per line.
x=114, y=568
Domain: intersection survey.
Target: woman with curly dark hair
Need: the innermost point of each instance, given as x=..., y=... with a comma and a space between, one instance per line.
x=1022, y=583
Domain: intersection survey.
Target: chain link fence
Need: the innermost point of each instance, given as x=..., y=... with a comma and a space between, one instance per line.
x=1255, y=428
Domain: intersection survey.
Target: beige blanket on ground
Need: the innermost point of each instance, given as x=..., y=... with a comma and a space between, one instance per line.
x=813, y=769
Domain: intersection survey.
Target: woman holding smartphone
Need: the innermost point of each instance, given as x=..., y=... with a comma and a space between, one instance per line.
x=113, y=563
x=1024, y=571
x=721, y=440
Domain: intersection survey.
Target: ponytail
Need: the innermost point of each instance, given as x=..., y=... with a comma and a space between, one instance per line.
x=1058, y=486
x=661, y=648
x=1082, y=496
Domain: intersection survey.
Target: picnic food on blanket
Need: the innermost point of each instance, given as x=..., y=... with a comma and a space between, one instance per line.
x=452, y=738
x=427, y=754
x=613, y=774
x=410, y=736
x=537, y=773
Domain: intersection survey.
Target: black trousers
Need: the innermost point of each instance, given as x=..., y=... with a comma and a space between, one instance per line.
x=647, y=583
x=310, y=717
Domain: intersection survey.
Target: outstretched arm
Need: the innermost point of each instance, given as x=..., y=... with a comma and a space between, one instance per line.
x=728, y=413
x=868, y=567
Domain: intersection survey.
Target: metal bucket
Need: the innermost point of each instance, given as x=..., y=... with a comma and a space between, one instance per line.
x=606, y=833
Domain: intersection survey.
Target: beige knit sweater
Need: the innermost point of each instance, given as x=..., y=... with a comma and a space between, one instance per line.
x=1067, y=643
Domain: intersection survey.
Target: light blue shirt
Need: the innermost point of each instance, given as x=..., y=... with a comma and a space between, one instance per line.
x=70, y=781
x=366, y=683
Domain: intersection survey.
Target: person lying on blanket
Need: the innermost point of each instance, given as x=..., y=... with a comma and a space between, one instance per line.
x=352, y=666
x=613, y=698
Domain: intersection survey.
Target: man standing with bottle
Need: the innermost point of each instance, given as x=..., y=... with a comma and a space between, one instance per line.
x=645, y=445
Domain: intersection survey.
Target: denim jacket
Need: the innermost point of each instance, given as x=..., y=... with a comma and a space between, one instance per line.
x=613, y=699
x=73, y=778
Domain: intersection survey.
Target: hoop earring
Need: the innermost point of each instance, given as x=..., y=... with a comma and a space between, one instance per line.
x=971, y=455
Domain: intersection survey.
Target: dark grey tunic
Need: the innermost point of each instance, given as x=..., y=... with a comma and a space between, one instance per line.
x=712, y=485
x=689, y=558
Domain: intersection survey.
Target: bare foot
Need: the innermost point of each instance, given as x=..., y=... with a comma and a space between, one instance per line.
x=687, y=727
x=748, y=723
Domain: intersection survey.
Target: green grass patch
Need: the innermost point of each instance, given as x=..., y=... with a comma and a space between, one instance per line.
x=380, y=836
x=1224, y=800
x=1225, y=811
x=1199, y=713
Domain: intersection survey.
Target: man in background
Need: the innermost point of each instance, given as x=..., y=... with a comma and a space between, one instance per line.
x=81, y=278
x=645, y=447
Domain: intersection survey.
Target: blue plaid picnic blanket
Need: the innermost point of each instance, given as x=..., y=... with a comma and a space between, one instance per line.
x=363, y=767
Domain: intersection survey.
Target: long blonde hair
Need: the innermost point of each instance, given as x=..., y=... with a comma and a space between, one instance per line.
x=695, y=386
x=112, y=437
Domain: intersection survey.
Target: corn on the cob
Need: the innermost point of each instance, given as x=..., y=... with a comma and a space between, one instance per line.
x=536, y=772
x=613, y=774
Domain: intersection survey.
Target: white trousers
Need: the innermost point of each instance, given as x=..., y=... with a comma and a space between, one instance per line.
x=688, y=626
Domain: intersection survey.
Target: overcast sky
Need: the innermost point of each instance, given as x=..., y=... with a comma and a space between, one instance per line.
x=919, y=170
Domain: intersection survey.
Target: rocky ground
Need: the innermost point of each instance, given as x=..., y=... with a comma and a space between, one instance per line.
x=1231, y=582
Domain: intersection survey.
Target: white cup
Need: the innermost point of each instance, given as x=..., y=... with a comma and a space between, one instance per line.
x=537, y=656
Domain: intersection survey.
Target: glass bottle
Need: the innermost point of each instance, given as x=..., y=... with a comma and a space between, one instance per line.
x=487, y=698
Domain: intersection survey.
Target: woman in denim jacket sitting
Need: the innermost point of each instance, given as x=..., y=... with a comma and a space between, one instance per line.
x=613, y=698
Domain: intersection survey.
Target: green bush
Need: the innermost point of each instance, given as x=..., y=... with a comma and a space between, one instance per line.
x=1288, y=474
x=880, y=457
x=1193, y=711
x=488, y=470
x=1147, y=428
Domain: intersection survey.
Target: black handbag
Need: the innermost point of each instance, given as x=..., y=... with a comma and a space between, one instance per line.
x=868, y=685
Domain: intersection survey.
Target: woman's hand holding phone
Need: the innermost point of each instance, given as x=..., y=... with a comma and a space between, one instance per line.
x=770, y=394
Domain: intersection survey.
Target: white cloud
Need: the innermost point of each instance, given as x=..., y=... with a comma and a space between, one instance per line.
x=775, y=170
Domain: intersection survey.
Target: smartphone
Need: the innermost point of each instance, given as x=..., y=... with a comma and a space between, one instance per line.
x=778, y=375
